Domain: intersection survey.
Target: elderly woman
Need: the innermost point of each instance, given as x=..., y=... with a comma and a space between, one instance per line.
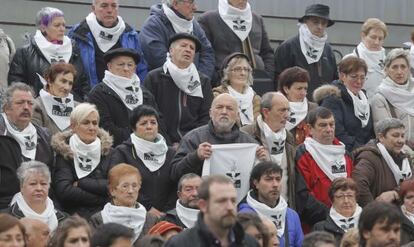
x=293, y=83
x=406, y=194
x=82, y=163
x=72, y=232
x=12, y=232
x=147, y=150
x=382, y=165
x=373, y=33
x=55, y=102
x=32, y=201
x=395, y=96
x=237, y=80
x=49, y=45
x=124, y=183
x=344, y=213
x=349, y=104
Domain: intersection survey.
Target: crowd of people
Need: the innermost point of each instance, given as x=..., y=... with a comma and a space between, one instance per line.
x=163, y=137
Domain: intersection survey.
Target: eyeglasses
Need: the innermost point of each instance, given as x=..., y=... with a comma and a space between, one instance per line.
x=240, y=69
x=125, y=187
x=343, y=196
x=355, y=77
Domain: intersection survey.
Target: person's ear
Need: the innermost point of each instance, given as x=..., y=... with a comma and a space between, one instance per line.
x=202, y=205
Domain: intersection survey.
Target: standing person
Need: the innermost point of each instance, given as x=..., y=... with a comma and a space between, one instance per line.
x=101, y=31
x=49, y=45
x=7, y=50
x=310, y=49
x=167, y=19
x=234, y=27
x=406, y=194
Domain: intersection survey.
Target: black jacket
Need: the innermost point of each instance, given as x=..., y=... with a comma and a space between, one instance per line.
x=407, y=230
x=157, y=189
x=200, y=236
x=29, y=60
x=180, y=111
x=172, y=216
x=329, y=226
x=15, y=211
x=90, y=195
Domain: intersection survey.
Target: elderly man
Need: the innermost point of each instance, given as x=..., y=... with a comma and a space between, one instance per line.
x=37, y=232
x=310, y=49
x=186, y=211
x=241, y=30
x=183, y=94
x=101, y=31
x=166, y=20
x=119, y=93
x=216, y=224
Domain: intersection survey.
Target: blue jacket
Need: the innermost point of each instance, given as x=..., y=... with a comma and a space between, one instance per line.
x=83, y=37
x=294, y=226
x=155, y=35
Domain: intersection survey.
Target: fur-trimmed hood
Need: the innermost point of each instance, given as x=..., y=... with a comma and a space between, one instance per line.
x=60, y=143
x=324, y=91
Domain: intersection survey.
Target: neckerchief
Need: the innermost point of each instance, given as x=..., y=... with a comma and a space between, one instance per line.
x=238, y=20
x=152, y=154
x=245, y=100
x=187, y=215
x=311, y=45
x=346, y=223
x=399, y=174
x=86, y=157
x=275, y=140
x=180, y=25
x=53, y=52
x=58, y=109
x=361, y=106
x=298, y=112
x=407, y=214
x=400, y=96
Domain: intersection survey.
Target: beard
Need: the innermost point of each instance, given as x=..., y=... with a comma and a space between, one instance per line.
x=228, y=221
x=223, y=125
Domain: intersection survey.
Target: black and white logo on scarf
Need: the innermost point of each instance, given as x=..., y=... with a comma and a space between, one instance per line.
x=85, y=164
x=150, y=156
x=338, y=166
x=245, y=112
x=56, y=58
x=292, y=118
x=347, y=224
x=29, y=143
x=61, y=109
x=234, y=174
x=239, y=24
x=105, y=36
x=277, y=220
x=193, y=84
x=381, y=63
x=363, y=116
x=311, y=52
x=132, y=98
x=277, y=147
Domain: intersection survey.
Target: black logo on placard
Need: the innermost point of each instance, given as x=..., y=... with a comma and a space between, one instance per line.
x=29, y=143
x=85, y=164
x=150, y=156
x=239, y=25
x=234, y=174
x=277, y=147
x=277, y=219
x=105, y=36
x=338, y=167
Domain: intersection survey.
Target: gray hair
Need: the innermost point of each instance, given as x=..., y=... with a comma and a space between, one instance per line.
x=266, y=100
x=186, y=177
x=81, y=112
x=395, y=54
x=16, y=86
x=94, y=2
x=230, y=65
x=46, y=15
x=384, y=125
x=28, y=168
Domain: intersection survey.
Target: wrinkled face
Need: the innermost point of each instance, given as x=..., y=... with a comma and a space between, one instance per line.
x=55, y=30
x=35, y=188
x=324, y=130
x=268, y=188
x=188, y=195
x=122, y=242
x=122, y=66
x=409, y=201
x=277, y=116
x=297, y=91
x=77, y=237
x=316, y=25
x=345, y=202
x=126, y=192
x=147, y=128
x=106, y=12
x=87, y=129
x=240, y=4
x=239, y=74
x=62, y=85
x=398, y=71
x=20, y=110
x=13, y=237
x=393, y=140
x=254, y=232
x=37, y=235
x=383, y=235
x=374, y=40
x=185, y=7
x=354, y=80
x=182, y=52
x=224, y=113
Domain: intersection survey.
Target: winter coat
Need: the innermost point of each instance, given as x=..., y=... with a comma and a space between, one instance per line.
x=156, y=33
x=201, y=236
x=90, y=194
x=16, y=212
x=316, y=180
x=172, y=216
x=87, y=44
x=407, y=230
x=329, y=226
x=7, y=50
x=114, y=115
x=289, y=54
x=186, y=159
x=181, y=112
x=157, y=189
x=302, y=130
x=30, y=61
x=348, y=128
x=226, y=42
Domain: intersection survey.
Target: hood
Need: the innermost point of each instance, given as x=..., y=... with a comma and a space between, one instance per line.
x=60, y=143
x=157, y=10
x=324, y=91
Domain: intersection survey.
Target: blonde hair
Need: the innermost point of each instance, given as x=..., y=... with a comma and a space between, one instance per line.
x=81, y=112
x=374, y=23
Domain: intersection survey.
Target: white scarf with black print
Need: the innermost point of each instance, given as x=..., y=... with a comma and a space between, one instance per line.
x=398, y=95
x=26, y=138
x=106, y=38
x=128, y=90
x=330, y=158
x=311, y=45
x=298, y=112
x=374, y=59
x=399, y=174
x=245, y=104
x=152, y=154
x=86, y=157
x=54, y=52
x=187, y=215
x=58, y=109
x=346, y=223
x=361, y=106
x=238, y=20
x=275, y=140
x=180, y=25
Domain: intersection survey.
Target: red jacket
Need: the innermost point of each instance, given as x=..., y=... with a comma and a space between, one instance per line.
x=316, y=180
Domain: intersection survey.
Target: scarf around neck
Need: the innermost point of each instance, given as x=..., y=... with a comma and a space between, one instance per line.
x=58, y=109
x=187, y=80
x=346, y=223
x=329, y=158
x=180, y=25
x=26, y=138
x=152, y=154
x=374, y=59
x=54, y=52
x=399, y=174
x=311, y=45
x=86, y=157
x=105, y=38
x=275, y=140
x=407, y=214
x=361, y=107
x=298, y=112
x=187, y=215
x=245, y=100
x=238, y=20
x=398, y=95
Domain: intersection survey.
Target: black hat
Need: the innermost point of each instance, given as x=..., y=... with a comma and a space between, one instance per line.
x=121, y=52
x=318, y=10
x=186, y=36
x=227, y=59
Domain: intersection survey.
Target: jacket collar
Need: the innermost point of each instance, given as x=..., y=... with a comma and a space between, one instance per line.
x=82, y=30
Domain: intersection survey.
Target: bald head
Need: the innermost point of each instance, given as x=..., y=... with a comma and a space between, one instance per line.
x=275, y=110
x=37, y=232
x=224, y=112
